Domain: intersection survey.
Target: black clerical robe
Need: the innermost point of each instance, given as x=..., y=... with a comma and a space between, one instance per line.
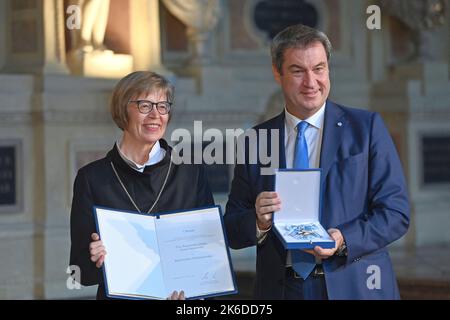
x=97, y=185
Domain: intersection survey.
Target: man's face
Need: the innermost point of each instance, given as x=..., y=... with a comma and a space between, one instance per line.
x=304, y=79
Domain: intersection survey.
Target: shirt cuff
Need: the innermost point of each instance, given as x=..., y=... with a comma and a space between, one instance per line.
x=261, y=235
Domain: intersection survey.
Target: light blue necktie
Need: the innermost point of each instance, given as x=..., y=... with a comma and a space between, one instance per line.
x=303, y=263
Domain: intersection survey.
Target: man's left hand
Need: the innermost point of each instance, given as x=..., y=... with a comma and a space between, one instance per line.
x=323, y=254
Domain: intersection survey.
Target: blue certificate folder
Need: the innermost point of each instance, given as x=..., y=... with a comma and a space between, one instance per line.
x=151, y=255
x=297, y=223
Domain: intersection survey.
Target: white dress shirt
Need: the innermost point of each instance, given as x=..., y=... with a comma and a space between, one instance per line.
x=313, y=136
x=156, y=155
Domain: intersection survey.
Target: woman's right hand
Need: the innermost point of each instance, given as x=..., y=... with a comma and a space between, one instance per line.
x=177, y=296
x=97, y=250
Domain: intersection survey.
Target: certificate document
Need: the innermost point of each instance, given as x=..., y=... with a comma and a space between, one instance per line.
x=151, y=255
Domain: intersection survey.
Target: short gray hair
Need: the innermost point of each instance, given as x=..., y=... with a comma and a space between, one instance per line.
x=133, y=85
x=296, y=36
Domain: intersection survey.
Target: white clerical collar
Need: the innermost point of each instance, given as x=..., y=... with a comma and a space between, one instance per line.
x=316, y=120
x=156, y=155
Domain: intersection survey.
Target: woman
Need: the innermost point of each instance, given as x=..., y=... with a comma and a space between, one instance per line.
x=137, y=174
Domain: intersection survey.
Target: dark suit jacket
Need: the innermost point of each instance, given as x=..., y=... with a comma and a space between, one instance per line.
x=364, y=196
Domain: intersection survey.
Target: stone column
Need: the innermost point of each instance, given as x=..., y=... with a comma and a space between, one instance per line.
x=2, y=32
x=54, y=41
x=35, y=37
x=448, y=44
x=146, y=36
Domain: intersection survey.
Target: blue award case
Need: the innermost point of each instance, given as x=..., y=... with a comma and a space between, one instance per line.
x=297, y=224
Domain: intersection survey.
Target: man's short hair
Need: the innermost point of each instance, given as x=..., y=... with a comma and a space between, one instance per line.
x=132, y=86
x=296, y=36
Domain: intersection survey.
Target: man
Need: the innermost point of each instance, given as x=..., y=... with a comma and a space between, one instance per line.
x=364, y=206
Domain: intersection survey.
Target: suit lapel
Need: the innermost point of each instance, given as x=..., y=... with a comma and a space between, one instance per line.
x=278, y=124
x=334, y=126
x=281, y=143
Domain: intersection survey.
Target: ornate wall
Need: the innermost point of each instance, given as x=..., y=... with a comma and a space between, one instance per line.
x=2, y=32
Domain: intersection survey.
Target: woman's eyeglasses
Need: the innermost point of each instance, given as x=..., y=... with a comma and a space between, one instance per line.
x=146, y=106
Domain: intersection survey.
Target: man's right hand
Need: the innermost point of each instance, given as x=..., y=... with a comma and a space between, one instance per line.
x=266, y=204
x=97, y=250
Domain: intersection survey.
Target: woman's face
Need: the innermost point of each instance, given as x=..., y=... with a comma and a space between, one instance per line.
x=147, y=128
